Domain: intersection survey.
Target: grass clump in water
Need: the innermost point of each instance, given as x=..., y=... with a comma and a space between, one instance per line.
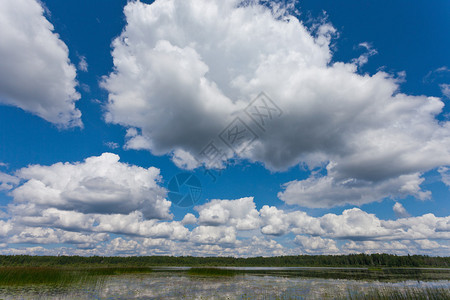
x=10, y=276
x=401, y=294
x=212, y=272
x=35, y=275
x=106, y=271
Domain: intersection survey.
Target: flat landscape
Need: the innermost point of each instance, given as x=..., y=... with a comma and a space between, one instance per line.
x=33, y=277
x=224, y=149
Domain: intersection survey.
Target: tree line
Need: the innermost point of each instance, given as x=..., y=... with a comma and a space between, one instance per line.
x=351, y=260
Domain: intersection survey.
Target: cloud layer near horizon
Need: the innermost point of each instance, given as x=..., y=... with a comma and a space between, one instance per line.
x=185, y=69
x=36, y=74
x=76, y=204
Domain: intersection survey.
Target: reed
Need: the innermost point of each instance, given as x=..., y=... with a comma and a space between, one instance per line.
x=61, y=276
x=36, y=275
x=212, y=272
x=387, y=293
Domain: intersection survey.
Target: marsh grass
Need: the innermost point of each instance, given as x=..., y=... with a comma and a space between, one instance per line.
x=401, y=294
x=380, y=293
x=106, y=271
x=212, y=272
x=11, y=276
x=35, y=275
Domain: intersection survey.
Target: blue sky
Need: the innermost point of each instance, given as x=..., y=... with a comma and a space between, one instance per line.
x=103, y=102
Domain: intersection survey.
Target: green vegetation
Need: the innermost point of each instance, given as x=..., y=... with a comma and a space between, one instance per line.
x=386, y=274
x=352, y=260
x=35, y=275
x=80, y=282
x=212, y=272
x=400, y=294
x=60, y=276
x=70, y=270
x=105, y=271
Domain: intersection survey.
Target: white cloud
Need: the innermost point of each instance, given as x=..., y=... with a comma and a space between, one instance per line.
x=189, y=219
x=35, y=71
x=316, y=244
x=445, y=89
x=179, y=81
x=353, y=224
x=222, y=228
x=184, y=160
x=326, y=191
x=275, y=222
x=136, y=141
x=100, y=184
x=402, y=247
x=438, y=74
x=427, y=226
x=240, y=213
x=122, y=246
x=38, y=235
x=7, y=181
x=127, y=224
x=364, y=58
x=260, y=246
x=112, y=145
x=82, y=64
x=395, y=247
x=5, y=227
x=445, y=175
x=400, y=211
x=213, y=235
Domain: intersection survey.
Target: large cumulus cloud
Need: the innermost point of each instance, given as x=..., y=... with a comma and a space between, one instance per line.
x=35, y=71
x=184, y=69
x=220, y=227
x=100, y=184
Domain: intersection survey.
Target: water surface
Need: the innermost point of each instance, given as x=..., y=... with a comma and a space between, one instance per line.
x=248, y=283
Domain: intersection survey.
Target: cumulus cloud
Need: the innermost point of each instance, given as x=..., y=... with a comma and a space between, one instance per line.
x=179, y=81
x=189, y=219
x=240, y=213
x=278, y=222
x=36, y=74
x=184, y=160
x=83, y=203
x=445, y=175
x=100, y=184
x=7, y=181
x=353, y=224
x=5, y=227
x=396, y=247
x=400, y=211
x=320, y=191
x=223, y=228
x=122, y=246
x=38, y=235
x=213, y=235
x=402, y=247
x=316, y=244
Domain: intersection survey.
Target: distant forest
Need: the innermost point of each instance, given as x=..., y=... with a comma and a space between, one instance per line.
x=352, y=260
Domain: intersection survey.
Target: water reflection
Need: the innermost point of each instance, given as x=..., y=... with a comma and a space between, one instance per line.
x=267, y=283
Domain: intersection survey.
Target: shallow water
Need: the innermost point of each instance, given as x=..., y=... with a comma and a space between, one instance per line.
x=259, y=283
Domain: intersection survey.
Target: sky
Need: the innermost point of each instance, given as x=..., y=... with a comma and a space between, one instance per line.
x=224, y=127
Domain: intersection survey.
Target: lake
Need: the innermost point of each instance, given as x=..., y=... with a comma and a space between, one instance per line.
x=241, y=283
